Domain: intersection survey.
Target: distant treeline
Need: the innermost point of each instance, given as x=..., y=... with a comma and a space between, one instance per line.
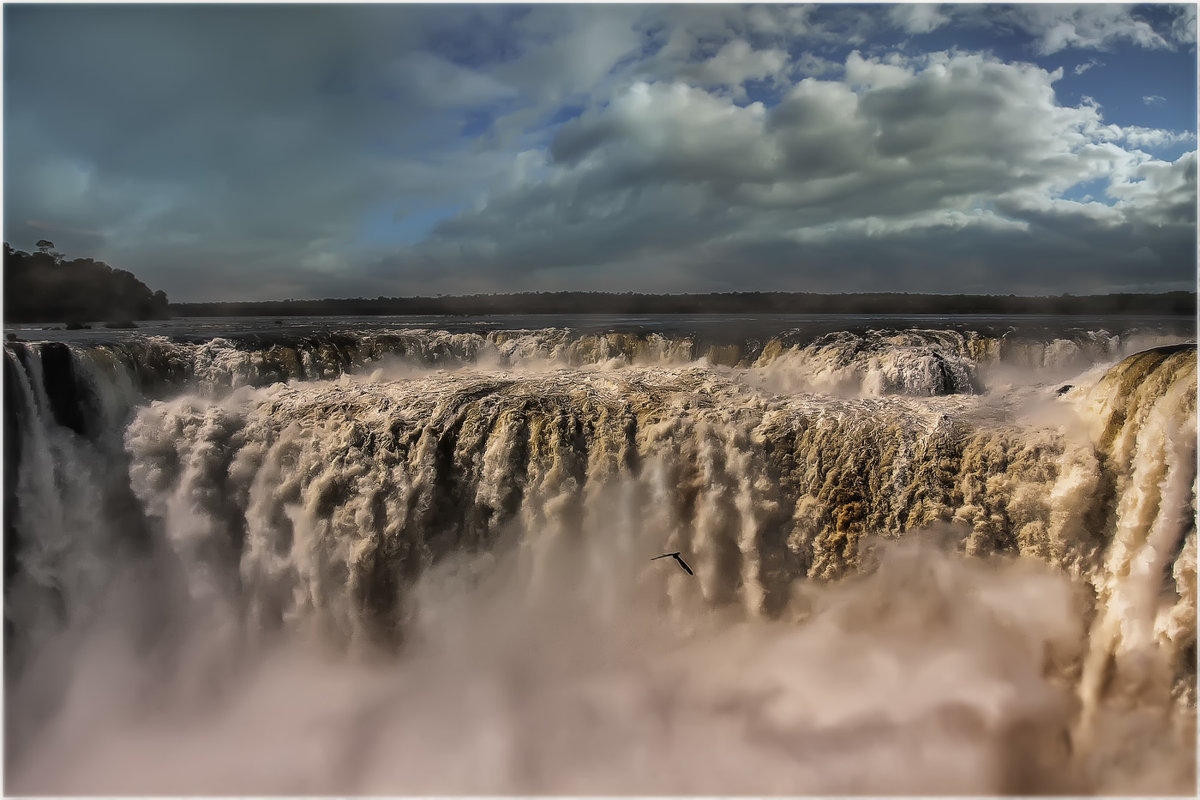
x=44, y=287
x=1183, y=303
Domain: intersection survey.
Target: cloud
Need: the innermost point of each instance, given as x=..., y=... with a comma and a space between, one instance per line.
x=240, y=143
x=1183, y=27
x=1086, y=65
x=236, y=151
x=432, y=82
x=735, y=63
x=1153, y=99
x=1089, y=26
x=898, y=152
x=812, y=65
x=918, y=17
x=1158, y=193
x=1133, y=135
x=1054, y=27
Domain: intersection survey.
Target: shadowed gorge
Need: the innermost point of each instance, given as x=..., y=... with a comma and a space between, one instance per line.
x=929, y=560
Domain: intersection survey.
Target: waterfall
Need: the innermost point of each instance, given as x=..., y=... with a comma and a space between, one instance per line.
x=967, y=557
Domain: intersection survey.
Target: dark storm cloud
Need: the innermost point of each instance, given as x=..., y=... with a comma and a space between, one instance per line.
x=220, y=147
x=293, y=151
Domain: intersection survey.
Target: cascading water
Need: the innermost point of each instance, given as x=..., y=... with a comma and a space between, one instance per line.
x=417, y=561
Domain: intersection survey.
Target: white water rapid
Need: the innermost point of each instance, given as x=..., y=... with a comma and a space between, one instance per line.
x=416, y=561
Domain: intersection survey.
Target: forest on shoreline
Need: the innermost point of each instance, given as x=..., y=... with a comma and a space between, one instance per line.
x=1167, y=303
x=45, y=287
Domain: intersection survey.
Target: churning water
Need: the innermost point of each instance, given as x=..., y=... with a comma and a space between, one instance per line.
x=939, y=558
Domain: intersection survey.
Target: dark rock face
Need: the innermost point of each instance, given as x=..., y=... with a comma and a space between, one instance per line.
x=58, y=376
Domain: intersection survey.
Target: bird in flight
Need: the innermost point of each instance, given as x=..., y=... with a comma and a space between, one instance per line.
x=675, y=556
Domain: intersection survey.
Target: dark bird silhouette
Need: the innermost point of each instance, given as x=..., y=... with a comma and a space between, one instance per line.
x=675, y=556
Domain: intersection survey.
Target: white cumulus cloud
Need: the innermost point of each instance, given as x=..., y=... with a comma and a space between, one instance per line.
x=1090, y=26
x=896, y=151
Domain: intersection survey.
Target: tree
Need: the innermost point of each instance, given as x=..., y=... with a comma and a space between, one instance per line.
x=44, y=288
x=46, y=248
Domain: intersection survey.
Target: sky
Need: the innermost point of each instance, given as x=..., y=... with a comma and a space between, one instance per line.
x=234, y=152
